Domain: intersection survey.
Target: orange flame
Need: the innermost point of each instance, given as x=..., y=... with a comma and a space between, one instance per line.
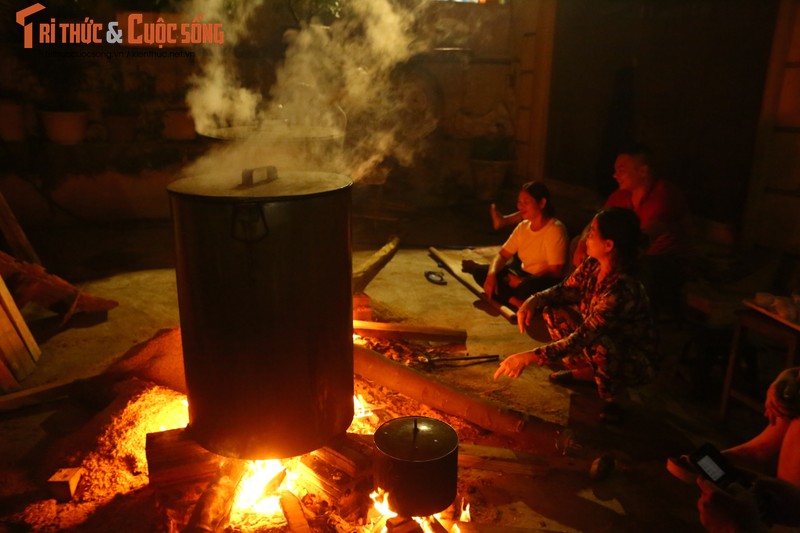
x=361, y=408
x=464, y=517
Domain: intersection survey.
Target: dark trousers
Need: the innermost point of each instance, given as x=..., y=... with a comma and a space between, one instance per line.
x=504, y=292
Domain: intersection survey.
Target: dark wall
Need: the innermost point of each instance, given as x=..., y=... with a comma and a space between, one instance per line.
x=683, y=76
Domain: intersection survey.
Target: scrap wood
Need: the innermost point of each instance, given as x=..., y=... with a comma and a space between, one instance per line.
x=454, y=266
x=370, y=268
x=9, y=306
x=173, y=457
x=31, y=283
x=374, y=366
x=215, y=503
x=293, y=511
x=393, y=330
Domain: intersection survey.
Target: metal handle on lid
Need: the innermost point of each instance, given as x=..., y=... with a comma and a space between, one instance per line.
x=251, y=176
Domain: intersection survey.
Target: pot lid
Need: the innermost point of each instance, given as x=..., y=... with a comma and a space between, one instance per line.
x=416, y=438
x=260, y=183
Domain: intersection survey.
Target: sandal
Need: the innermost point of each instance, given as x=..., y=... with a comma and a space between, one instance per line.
x=435, y=277
x=562, y=376
x=681, y=468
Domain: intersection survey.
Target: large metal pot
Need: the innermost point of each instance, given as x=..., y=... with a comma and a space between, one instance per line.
x=416, y=463
x=264, y=275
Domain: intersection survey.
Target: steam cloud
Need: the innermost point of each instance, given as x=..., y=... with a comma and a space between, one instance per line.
x=348, y=77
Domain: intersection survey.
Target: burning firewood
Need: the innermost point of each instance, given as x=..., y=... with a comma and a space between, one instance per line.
x=215, y=503
x=293, y=511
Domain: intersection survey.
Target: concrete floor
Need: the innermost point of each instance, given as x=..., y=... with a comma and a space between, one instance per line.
x=132, y=263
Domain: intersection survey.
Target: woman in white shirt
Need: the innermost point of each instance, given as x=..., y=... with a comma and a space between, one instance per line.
x=537, y=246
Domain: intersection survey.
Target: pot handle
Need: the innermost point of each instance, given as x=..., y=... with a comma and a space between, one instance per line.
x=259, y=174
x=249, y=223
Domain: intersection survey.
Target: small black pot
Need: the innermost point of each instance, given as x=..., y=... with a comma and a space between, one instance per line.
x=416, y=463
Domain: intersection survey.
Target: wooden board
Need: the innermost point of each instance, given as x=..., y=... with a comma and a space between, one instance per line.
x=10, y=307
x=392, y=330
x=13, y=352
x=453, y=264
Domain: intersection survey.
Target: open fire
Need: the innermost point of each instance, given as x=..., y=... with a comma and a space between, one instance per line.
x=260, y=499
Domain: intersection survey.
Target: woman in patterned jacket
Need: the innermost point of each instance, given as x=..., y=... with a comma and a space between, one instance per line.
x=599, y=318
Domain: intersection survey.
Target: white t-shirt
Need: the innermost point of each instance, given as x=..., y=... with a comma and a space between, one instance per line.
x=539, y=249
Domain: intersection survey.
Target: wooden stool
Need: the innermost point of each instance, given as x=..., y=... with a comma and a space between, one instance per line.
x=771, y=328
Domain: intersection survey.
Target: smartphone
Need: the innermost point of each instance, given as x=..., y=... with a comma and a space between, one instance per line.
x=714, y=465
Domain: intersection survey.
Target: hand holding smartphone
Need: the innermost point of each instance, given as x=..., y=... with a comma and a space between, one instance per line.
x=714, y=466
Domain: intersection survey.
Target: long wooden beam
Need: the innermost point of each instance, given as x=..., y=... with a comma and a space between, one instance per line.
x=454, y=267
x=374, y=366
x=394, y=330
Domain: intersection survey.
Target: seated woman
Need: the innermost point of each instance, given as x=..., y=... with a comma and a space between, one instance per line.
x=539, y=242
x=771, y=461
x=599, y=318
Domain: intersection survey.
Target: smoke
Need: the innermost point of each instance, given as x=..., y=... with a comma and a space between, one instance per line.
x=342, y=99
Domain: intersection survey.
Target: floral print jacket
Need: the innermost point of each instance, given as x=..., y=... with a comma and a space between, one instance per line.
x=615, y=314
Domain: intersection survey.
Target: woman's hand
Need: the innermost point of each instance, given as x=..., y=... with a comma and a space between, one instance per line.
x=490, y=284
x=513, y=365
x=526, y=311
x=783, y=396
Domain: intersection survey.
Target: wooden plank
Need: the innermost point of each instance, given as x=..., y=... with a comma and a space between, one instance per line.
x=13, y=351
x=393, y=330
x=172, y=457
x=11, y=309
x=370, y=268
x=454, y=266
